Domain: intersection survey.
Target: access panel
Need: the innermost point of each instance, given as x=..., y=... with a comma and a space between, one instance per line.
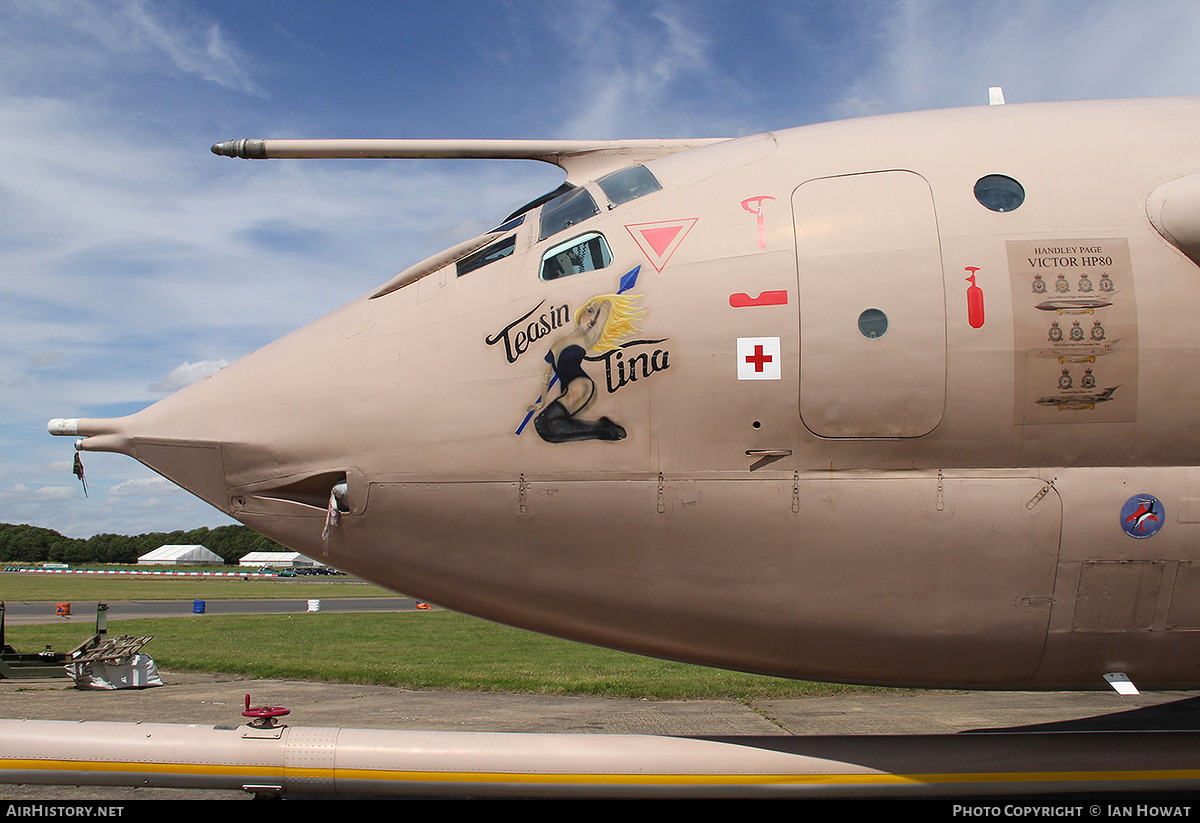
x=872, y=306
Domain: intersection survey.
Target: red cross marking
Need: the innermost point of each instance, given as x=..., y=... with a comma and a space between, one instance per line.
x=758, y=358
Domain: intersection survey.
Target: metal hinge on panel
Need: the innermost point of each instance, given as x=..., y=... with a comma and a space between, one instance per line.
x=941, y=492
x=1042, y=492
x=522, y=490
x=662, y=503
x=796, y=492
x=1037, y=498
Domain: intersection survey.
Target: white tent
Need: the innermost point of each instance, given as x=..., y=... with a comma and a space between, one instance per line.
x=180, y=556
x=279, y=560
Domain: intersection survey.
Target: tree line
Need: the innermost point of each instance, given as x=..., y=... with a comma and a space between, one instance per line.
x=33, y=544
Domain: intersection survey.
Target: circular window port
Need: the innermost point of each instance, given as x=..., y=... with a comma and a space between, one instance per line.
x=873, y=324
x=999, y=193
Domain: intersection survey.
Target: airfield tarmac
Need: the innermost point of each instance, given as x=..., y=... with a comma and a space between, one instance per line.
x=209, y=699
x=217, y=699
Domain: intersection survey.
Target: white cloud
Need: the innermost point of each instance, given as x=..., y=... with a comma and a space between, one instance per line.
x=147, y=37
x=144, y=487
x=187, y=373
x=938, y=53
x=43, y=493
x=198, y=50
x=636, y=75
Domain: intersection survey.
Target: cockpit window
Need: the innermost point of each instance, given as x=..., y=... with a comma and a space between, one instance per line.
x=511, y=223
x=566, y=210
x=629, y=184
x=488, y=254
x=533, y=204
x=587, y=252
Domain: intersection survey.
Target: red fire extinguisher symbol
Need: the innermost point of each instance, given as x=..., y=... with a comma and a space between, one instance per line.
x=974, y=300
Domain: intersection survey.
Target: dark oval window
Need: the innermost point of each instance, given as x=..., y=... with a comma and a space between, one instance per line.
x=999, y=193
x=873, y=323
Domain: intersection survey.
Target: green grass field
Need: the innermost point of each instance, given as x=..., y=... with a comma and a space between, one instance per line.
x=416, y=650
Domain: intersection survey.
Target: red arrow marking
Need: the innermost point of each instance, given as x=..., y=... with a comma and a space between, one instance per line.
x=742, y=300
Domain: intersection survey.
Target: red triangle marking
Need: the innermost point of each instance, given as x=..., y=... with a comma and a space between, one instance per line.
x=660, y=239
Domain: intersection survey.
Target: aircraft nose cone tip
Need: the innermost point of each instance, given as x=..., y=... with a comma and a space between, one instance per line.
x=63, y=426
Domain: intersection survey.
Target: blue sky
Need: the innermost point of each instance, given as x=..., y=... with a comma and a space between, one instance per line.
x=132, y=261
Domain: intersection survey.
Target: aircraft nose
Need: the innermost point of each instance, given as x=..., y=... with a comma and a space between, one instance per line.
x=268, y=439
x=285, y=438
x=193, y=464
